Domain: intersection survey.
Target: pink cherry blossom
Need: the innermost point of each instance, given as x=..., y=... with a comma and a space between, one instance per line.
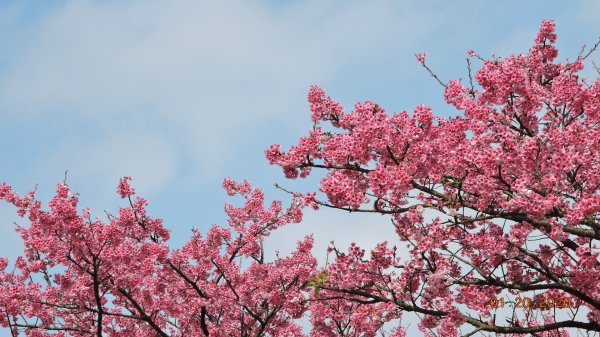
x=421, y=57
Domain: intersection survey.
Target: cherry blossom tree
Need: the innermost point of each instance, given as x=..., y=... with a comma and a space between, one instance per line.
x=84, y=277
x=498, y=207
x=496, y=212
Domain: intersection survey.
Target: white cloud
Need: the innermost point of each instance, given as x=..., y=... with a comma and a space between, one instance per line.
x=213, y=71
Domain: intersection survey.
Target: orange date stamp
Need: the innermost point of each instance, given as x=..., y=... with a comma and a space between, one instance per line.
x=528, y=303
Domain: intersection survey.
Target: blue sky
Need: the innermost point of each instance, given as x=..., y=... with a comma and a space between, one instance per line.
x=182, y=94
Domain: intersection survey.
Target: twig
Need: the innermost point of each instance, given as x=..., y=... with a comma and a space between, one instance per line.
x=432, y=73
x=590, y=51
x=472, y=92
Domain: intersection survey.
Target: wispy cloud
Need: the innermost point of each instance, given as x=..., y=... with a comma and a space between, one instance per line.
x=208, y=71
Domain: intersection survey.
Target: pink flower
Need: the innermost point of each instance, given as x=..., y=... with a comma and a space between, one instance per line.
x=124, y=188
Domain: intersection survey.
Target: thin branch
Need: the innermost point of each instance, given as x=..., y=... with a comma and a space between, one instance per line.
x=433, y=74
x=594, y=47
